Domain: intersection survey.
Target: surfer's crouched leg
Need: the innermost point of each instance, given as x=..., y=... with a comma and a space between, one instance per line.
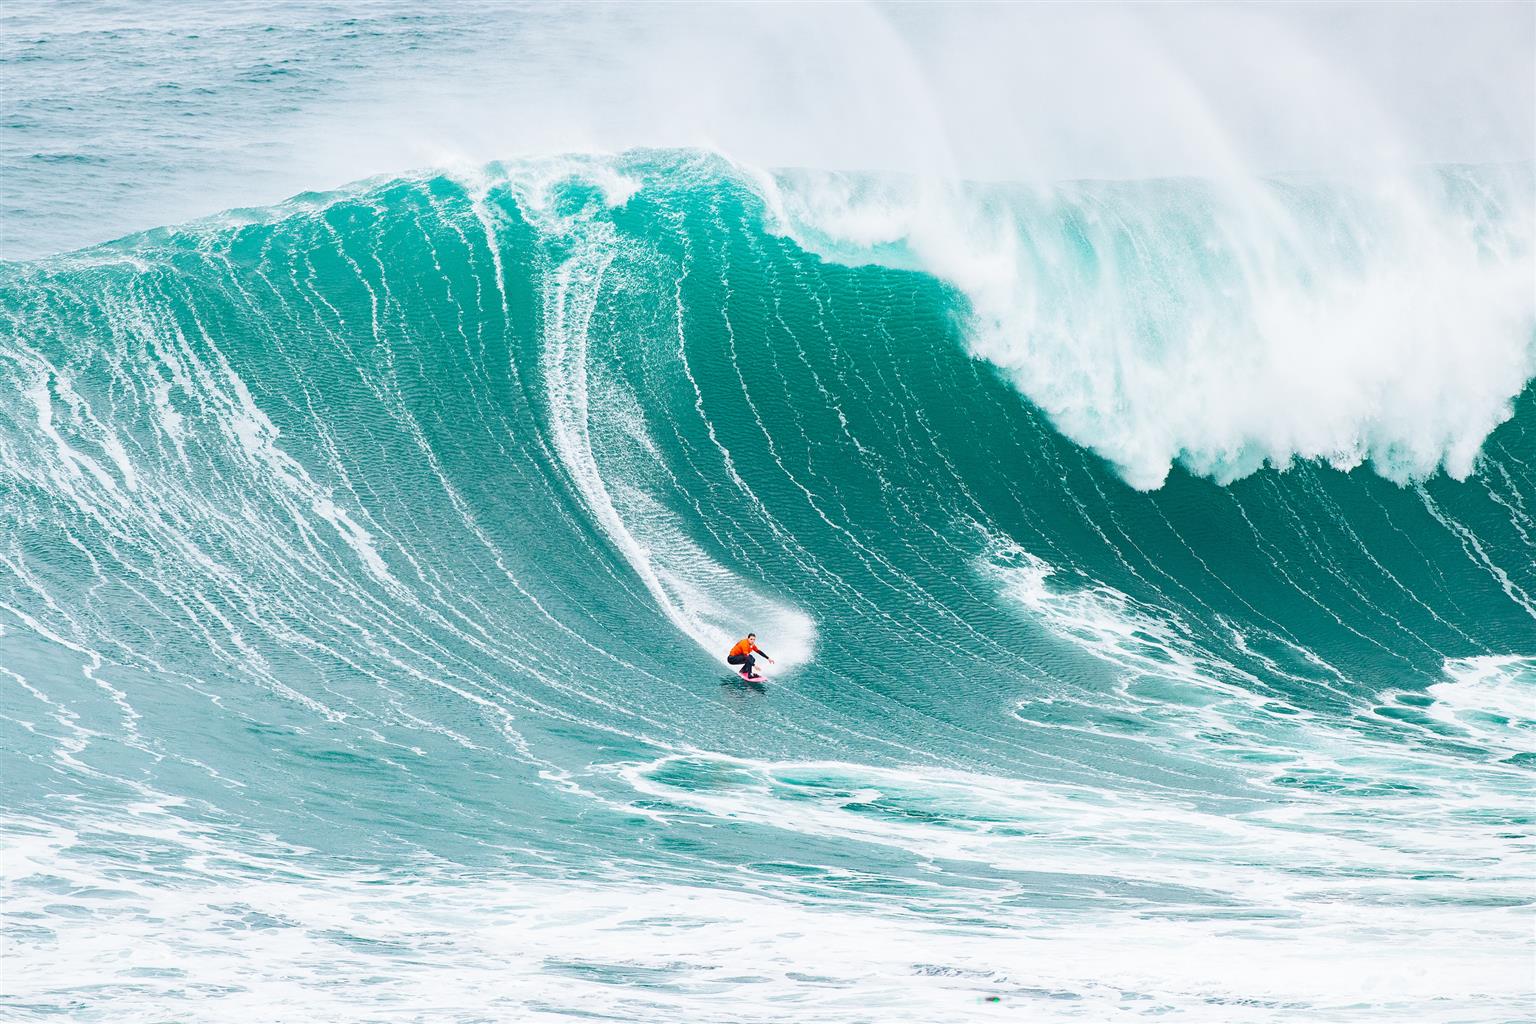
x=744, y=660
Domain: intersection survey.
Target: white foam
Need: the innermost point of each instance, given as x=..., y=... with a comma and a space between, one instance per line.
x=279, y=937
x=1492, y=699
x=1223, y=324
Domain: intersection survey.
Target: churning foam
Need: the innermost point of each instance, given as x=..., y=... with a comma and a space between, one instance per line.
x=1492, y=699
x=1224, y=324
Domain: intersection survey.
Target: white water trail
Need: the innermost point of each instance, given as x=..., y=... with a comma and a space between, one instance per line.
x=600, y=436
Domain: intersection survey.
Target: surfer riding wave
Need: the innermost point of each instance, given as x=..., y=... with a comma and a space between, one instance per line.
x=742, y=653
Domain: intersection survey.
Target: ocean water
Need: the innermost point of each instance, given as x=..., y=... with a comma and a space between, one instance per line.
x=1150, y=566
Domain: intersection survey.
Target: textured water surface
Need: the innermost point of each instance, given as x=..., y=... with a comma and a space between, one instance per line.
x=370, y=559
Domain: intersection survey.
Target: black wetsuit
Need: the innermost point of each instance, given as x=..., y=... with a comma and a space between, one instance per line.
x=747, y=661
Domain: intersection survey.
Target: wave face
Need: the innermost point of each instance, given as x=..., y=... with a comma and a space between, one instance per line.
x=374, y=556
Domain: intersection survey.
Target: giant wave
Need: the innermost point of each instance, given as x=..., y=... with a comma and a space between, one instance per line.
x=388, y=540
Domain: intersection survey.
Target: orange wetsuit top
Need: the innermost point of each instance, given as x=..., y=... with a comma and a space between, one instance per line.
x=747, y=646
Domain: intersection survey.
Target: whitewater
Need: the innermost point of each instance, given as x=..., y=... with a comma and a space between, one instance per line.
x=401, y=413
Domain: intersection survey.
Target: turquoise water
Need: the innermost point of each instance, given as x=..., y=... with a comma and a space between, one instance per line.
x=1155, y=623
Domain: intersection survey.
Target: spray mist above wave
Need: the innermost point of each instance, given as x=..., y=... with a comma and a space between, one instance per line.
x=1224, y=324
x=254, y=111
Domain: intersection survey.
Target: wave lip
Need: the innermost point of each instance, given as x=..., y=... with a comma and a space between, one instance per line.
x=1225, y=325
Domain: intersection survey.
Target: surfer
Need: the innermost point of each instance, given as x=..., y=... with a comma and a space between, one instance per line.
x=742, y=653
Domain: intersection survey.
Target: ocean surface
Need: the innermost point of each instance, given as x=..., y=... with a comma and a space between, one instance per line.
x=1149, y=565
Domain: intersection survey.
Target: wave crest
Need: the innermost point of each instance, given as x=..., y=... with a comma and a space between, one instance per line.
x=1225, y=325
